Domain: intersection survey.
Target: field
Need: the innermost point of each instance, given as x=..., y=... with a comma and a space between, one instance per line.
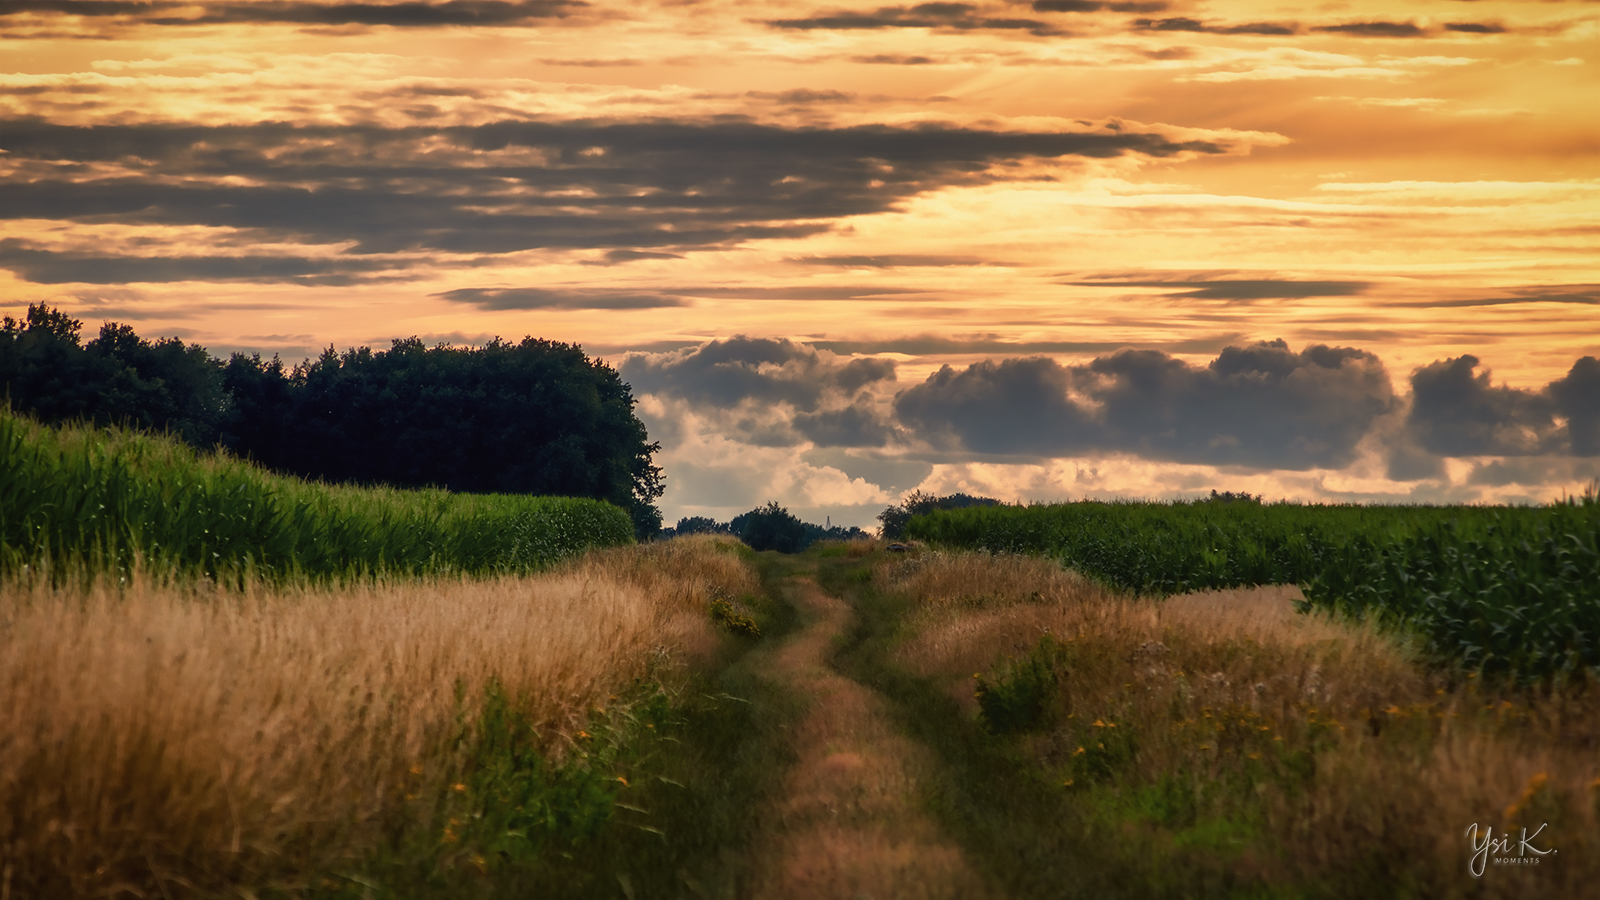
x=1503, y=590
x=91, y=501
x=215, y=682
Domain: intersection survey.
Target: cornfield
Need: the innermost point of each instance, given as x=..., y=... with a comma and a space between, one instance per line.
x=1504, y=590
x=98, y=501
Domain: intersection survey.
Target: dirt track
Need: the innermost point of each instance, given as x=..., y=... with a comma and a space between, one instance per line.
x=849, y=822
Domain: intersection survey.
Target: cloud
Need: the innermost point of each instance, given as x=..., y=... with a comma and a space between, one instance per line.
x=1182, y=23
x=727, y=374
x=950, y=16
x=1577, y=398
x=506, y=187
x=1373, y=29
x=893, y=261
x=1261, y=406
x=938, y=345
x=1245, y=289
x=890, y=473
x=1581, y=294
x=559, y=298
x=399, y=15
x=852, y=426
x=1095, y=6
x=1475, y=27
x=1457, y=413
x=893, y=59
x=75, y=267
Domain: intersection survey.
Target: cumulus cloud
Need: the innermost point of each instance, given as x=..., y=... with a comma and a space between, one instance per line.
x=729, y=374
x=1455, y=412
x=1262, y=406
x=642, y=188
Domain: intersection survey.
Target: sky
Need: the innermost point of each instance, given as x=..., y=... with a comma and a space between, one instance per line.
x=1335, y=252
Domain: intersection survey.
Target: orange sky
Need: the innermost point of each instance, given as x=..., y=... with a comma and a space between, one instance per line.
x=929, y=185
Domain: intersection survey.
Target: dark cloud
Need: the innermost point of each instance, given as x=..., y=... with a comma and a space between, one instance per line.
x=1405, y=461
x=1261, y=406
x=1577, y=399
x=1374, y=29
x=728, y=374
x=1475, y=27
x=952, y=16
x=891, y=59
x=1015, y=407
x=559, y=298
x=1181, y=23
x=1583, y=294
x=1094, y=6
x=73, y=267
x=400, y=15
x=803, y=95
x=888, y=472
x=1067, y=6
x=1245, y=289
x=936, y=345
x=852, y=426
x=614, y=257
x=892, y=261
x=652, y=186
x=1455, y=412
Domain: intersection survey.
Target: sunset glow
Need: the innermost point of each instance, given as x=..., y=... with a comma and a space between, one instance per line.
x=845, y=251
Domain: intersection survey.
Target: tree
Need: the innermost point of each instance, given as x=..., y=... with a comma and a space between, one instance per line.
x=537, y=417
x=916, y=503
x=770, y=527
x=116, y=378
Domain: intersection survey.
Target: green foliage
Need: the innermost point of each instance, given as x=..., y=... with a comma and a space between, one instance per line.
x=89, y=500
x=771, y=527
x=535, y=417
x=1509, y=590
x=1022, y=690
x=893, y=519
x=728, y=616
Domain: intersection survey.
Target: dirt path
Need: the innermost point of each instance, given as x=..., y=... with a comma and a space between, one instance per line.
x=848, y=822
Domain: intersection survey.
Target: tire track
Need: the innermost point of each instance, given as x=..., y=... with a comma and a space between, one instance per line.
x=848, y=822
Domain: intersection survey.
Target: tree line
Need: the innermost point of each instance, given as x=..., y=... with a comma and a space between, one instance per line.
x=535, y=417
x=772, y=527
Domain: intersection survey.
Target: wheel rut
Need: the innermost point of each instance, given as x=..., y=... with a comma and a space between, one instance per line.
x=849, y=821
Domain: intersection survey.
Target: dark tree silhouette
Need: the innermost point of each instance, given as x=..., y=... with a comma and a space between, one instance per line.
x=537, y=417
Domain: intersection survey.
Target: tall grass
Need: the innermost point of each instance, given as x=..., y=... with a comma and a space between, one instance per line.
x=88, y=500
x=1503, y=589
x=193, y=740
x=1221, y=743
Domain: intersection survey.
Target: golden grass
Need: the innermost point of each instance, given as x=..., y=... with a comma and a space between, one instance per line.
x=208, y=737
x=1326, y=740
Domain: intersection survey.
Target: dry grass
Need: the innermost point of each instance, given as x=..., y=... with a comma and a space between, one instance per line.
x=1324, y=747
x=155, y=736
